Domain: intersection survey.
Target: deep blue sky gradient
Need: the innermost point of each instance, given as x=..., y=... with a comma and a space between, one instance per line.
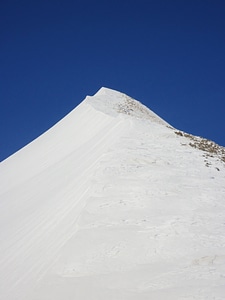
x=170, y=55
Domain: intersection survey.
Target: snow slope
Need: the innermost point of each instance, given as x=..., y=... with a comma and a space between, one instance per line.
x=113, y=203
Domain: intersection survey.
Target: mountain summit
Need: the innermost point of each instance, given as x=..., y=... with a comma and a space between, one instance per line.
x=113, y=203
x=114, y=103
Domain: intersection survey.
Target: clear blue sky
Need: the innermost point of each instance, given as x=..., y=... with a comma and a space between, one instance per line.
x=170, y=55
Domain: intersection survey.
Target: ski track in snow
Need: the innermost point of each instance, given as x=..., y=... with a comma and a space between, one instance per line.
x=107, y=205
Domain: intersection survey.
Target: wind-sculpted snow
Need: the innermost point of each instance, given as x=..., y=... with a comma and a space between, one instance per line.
x=111, y=204
x=114, y=103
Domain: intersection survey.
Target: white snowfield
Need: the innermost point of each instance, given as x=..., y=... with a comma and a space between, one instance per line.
x=112, y=203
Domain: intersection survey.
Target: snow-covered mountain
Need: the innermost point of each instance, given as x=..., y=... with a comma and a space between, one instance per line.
x=113, y=203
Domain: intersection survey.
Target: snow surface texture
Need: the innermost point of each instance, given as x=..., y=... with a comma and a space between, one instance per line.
x=112, y=203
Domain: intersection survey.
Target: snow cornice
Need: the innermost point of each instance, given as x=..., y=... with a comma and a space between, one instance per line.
x=114, y=103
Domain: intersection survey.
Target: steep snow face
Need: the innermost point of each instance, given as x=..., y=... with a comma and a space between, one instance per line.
x=112, y=203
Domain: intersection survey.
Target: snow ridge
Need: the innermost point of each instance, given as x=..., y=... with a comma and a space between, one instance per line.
x=115, y=103
x=112, y=203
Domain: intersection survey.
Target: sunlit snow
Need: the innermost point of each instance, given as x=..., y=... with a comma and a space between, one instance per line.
x=112, y=203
